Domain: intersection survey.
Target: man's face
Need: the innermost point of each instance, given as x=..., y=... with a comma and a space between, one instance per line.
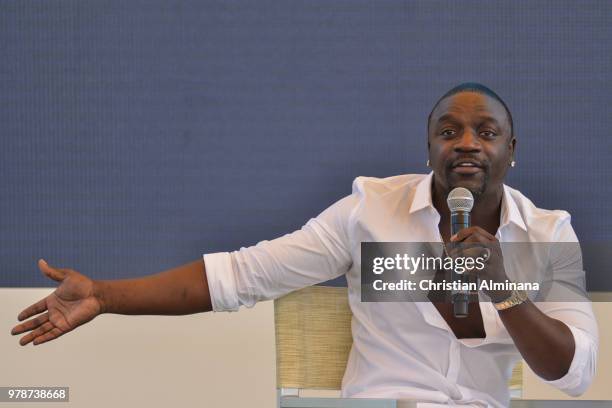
x=469, y=143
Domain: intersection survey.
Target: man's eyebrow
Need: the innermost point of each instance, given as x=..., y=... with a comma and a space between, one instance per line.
x=447, y=117
x=485, y=119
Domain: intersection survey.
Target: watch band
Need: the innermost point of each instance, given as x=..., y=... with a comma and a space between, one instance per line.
x=516, y=298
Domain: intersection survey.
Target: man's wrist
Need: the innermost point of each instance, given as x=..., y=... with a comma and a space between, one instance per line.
x=500, y=295
x=98, y=292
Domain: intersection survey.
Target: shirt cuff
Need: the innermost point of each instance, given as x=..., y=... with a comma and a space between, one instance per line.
x=573, y=382
x=221, y=282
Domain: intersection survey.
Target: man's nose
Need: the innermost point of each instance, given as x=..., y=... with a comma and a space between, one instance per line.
x=468, y=142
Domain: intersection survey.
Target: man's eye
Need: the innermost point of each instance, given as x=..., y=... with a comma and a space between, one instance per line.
x=447, y=132
x=488, y=134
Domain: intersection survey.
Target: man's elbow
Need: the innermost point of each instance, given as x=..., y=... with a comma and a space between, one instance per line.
x=583, y=382
x=578, y=390
x=581, y=373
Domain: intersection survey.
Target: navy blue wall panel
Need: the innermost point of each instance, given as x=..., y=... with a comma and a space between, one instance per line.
x=136, y=136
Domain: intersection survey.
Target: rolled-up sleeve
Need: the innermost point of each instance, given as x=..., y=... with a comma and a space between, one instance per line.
x=317, y=252
x=570, y=305
x=582, y=369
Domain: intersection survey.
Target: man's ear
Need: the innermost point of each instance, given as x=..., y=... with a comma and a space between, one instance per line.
x=512, y=147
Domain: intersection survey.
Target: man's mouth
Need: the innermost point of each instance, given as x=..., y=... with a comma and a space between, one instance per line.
x=467, y=166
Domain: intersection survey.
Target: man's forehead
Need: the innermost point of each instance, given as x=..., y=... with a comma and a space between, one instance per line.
x=469, y=102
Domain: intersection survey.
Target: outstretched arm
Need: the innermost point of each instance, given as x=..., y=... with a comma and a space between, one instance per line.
x=179, y=291
x=78, y=299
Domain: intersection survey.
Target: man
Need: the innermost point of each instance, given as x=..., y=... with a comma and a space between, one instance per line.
x=401, y=350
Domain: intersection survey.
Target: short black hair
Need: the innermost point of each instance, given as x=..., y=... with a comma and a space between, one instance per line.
x=474, y=87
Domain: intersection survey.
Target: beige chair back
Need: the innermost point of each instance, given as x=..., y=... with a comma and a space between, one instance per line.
x=313, y=339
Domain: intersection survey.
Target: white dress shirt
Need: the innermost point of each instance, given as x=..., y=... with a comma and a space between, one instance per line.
x=405, y=350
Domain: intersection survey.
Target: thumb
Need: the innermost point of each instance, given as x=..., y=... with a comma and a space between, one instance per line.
x=53, y=273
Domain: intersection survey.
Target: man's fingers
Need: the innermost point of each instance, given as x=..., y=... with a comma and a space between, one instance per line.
x=50, y=335
x=476, y=252
x=465, y=233
x=36, y=308
x=478, y=237
x=54, y=273
x=36, y=333
x=30, y=324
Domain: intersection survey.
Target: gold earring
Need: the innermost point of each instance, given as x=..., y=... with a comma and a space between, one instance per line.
x=512, y=163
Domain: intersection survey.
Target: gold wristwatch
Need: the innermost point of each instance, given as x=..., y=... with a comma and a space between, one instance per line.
x=516, y=298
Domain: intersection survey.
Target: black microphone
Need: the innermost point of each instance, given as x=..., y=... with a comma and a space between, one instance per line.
x=460, y=202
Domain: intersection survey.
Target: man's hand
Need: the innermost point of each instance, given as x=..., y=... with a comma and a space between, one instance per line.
x=72, y=304
x=475, y=242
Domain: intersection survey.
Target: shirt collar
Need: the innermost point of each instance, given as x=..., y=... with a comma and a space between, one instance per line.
x=422, y=194
x=509, y=213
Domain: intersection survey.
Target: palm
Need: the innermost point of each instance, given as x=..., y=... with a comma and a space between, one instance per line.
x=72, y=304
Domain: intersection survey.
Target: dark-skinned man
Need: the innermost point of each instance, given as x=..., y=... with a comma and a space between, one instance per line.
x=403, y=350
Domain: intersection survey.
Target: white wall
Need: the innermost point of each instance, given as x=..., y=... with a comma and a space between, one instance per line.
x=211, y=359
x=220, y=360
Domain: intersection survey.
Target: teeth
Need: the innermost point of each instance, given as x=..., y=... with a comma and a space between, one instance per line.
x=467, y=165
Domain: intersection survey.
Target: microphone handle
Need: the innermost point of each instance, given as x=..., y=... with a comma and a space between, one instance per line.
x=460, y=299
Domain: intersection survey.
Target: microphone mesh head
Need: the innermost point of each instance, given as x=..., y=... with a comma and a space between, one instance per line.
x=460, y=199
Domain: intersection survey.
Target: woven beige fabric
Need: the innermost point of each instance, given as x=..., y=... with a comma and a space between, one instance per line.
x=516, y=381
x=313, y=339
